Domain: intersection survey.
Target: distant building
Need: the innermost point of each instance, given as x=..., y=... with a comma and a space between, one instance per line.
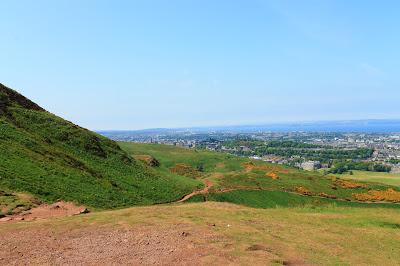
x=310, y=165
x=395, y=169
x=244, y=148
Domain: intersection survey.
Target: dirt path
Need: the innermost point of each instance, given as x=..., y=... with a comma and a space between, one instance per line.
x=207, y=183
x=114, y=245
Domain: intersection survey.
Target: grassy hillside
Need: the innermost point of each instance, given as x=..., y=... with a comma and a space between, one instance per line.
x=51, y=159
x=259, y=184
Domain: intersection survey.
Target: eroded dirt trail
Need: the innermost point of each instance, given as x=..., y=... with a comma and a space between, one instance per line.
x=207, y=183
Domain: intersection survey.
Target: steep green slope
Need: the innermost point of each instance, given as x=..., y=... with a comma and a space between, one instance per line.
x=54, y=159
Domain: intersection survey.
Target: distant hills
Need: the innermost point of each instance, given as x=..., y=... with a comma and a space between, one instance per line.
x=341, y=126
x=52, y=159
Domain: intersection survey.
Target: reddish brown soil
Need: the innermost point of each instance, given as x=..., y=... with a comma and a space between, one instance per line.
x=58, y=209
x=120, y=245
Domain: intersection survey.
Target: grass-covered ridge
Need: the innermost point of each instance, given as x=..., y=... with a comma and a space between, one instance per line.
x=53, y=159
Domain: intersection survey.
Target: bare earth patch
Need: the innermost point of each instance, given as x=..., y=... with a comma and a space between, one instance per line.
x=96, y=245
x=58, y=209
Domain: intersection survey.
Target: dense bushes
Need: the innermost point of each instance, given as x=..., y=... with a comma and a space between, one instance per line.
x=345, y=166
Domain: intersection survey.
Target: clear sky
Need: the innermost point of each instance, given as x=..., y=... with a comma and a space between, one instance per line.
x=177, y=63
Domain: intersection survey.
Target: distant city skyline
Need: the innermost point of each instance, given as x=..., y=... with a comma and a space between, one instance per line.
x=167, y=64
x=342, y=126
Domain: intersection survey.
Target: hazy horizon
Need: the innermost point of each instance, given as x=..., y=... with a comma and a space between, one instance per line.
x=130, y=65
x=349, y=126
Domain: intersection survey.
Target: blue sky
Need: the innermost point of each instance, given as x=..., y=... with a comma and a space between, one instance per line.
x=178, y=63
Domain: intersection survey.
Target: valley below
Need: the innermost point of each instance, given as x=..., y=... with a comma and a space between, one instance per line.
x=69, y=196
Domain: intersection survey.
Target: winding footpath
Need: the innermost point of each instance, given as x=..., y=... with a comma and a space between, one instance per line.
x=207, y=183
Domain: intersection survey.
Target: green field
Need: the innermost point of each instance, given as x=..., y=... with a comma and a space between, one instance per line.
x=383, y=178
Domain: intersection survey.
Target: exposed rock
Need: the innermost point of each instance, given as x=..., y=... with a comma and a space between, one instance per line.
x=147, y=159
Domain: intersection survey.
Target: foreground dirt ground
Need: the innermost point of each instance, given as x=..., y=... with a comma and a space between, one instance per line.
x=207, y=234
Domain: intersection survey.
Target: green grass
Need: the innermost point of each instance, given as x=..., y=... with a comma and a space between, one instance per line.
x=273, y=199
x=383, y=178
x=170, y=155
x=54, y=159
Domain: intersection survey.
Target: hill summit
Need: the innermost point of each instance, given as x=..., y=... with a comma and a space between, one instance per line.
x=52, y=159
x=10, y=97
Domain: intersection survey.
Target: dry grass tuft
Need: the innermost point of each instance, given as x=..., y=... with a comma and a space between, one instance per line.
x=377, y=195
x=250, y=166
x=304, y=191
x=324, y=195
x=347, y=184
x=185, y=170
x=272, y=175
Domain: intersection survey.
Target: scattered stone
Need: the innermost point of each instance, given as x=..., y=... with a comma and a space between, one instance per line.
x=185, y=234
x=258, y=247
